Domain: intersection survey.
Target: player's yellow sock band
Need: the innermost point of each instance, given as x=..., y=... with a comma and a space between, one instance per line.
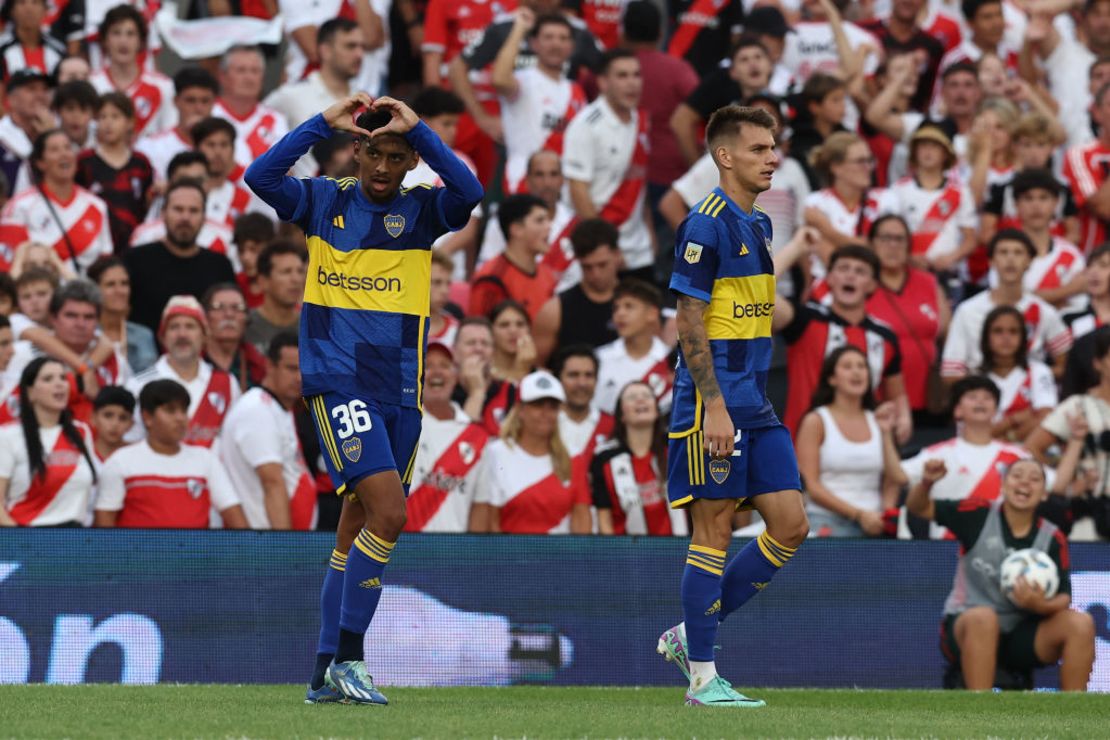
x=706, y=558
x=778, y=554
x=338, y=560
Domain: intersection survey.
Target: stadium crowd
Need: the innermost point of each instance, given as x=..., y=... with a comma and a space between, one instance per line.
x=941, y=207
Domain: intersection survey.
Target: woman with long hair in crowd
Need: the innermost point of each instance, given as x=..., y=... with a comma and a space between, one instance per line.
x=514, y=352
x=846, y=451
x=1028, y=387
x=137, y=341
x=47, y=472
x=527, y=484
x=991, y=152
x=628, y=472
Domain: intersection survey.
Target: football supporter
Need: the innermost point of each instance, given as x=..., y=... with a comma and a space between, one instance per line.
x=194, y=95
x=822, y=103
x=7, y=294
x=135, y=340
x=605, y=161
x=638, y=353
x=527, y=484
x=984, y=627
x=449, y=454
x=1085, y=170
x=114, y=171
x=10, y=369
x=57, y=210
x=261, y=451
x=213, y=235
x=1096, y=282
x=582, y=427
x=257, y=126
x=211, y=392
x=74, y=103
x=900, y=32
x=537, y=102
x=25, y=44
x=281, y=278
x=583, y=314
x=514, y=352
x=814, y=47
x=227, y=198
x=846, y=450
x=812, y=331
x=442, y=325
x=987, y=26
x=34, y=287
x=449, y=27
x=485, y=399
x=226, y=311
x=27, y=98
x=161, y=482
x=304, y=26
x=177, y=264
x=627, y=474
x=47, y=472
x=123, y=34
x=517, y=273
x=112, y=417
x=974, y=458
x=73, y=68
x=1028, y=390
x=252, y=233
x=702, y=32
x=1011, y=252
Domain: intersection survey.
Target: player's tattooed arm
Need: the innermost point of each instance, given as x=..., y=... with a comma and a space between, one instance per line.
x=695, y=346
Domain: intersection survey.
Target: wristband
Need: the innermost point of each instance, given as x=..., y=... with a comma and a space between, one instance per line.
x=82, y=369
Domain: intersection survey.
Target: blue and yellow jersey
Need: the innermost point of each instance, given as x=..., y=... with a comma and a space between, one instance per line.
x=723, y=257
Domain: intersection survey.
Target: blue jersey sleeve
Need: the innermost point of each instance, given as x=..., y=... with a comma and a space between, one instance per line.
x=461, y=191
x=696, y=257
x=288, y=196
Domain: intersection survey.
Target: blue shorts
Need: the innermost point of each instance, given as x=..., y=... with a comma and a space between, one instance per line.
x=360, y=437
x=692, y=474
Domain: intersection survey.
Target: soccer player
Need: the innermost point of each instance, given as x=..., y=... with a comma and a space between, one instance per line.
x=727, y=448
x=363, y=329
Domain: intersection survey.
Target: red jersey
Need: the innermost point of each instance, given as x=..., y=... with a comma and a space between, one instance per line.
x=1085, y=168
x=633, y=490
x=530, y=497
x=914, y=315
x=452, y=25
x=603, y=18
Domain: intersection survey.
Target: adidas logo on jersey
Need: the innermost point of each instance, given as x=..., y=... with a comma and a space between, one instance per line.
x=338, y=221
x=744, y=250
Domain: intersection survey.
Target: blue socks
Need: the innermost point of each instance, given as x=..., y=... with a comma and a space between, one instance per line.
x=751, y=570
x=330, y=598
x=362, y=589
x=701, y=599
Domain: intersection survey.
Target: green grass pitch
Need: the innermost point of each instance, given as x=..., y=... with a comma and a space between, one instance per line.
x=193, y=711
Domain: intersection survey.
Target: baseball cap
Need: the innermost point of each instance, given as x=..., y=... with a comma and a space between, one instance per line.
x=767, y=19
x=436, y=344
x=540, y=385
x=183, y=305
x=26, y=76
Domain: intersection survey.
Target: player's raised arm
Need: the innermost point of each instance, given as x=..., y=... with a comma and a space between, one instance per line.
x=266, y=175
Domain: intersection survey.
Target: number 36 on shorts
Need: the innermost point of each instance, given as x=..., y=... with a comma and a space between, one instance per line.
x=351, y=418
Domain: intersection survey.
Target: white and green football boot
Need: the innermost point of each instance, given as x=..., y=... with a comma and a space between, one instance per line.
x=719, y=693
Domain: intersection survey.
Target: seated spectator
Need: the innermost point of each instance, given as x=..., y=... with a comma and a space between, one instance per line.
x=211, y=391
x=983, y=627
x=47, y=472
x=57, y=210
x=629, y=471
x=846, y=451
x=112, y=417
x=1027, y=386
x=176, y=265
x=25, y=44
x=260, y=449
x=134, y=340
x=160, y=482
x=228, y=199
x=485, y=399
x=257, y=126
x=582, y=427
x=74, y=103
x=514, y=352
x=638, y=353
x=442, y=326
x=975, y=458
x=583, y=314
x=281, y=277
x=27, y=95
x=1011, y=252
x=449, y=454
x=194, y=95
x=252, y=233
x=824, y=99
x=335, y=156
x=517, y=273
x=525, y=485
x=225, y=348
x=114, y=171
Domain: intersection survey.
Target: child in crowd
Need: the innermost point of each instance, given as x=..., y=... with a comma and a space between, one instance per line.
x=112, y=417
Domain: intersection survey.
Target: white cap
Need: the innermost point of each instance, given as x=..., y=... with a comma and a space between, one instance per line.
x=540, y=385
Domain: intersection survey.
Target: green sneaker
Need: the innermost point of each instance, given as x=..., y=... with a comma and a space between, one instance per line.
x=672, y=646
x=719, y=693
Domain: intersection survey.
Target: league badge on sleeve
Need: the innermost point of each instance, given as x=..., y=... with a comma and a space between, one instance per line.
x=394, y=224
x=692, y=255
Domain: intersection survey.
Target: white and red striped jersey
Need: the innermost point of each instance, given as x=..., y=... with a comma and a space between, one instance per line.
x=15, y=56
x=531, y=498
x=611, y=156
x=1025, y=388
x=64, y=494
x=213, y=235
x=633, y=489
x=445, y=473
x=229, y=201
x=935, y=217
x=974, y=471
x=84, y=216
x=1085, y=168
x=447, y=334
x=616, y=369
x=1061, y=264
x=535, y=119
x=161, y=148
x=560, y=252
x=254, y=133
x=584, y=436
x=153, y=490
x=424, y=174
x=853, y=221
x=259, y=431
x=152, y=94
x=212, y=393
x=1048, y=335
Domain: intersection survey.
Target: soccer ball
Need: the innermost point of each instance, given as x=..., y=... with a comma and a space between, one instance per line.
x=1035, y=566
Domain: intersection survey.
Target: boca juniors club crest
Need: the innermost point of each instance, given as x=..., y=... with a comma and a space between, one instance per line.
x=394, y=224
x=719, y=470
x=352, y=449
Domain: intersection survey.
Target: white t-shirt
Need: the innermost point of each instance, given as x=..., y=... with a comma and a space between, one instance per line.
x=1034, y=388
x=916, y=205
x=811, y=47
x=1048, y=335
x=299, y=100
x=71, y=501
x=542, y=108
x=616, y=369
x=1056, y=268
x=578, y=435
x=301, y=13
x=161, y=370
x=160, y=149
x=258, y=431
x=254, y=133
x=598, y=149
x=152, y=94
x=440, y=438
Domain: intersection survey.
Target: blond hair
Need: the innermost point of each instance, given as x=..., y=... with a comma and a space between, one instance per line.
x=1007, y=115
x=833, y=151
x=1040, y=128
x=511, y=429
